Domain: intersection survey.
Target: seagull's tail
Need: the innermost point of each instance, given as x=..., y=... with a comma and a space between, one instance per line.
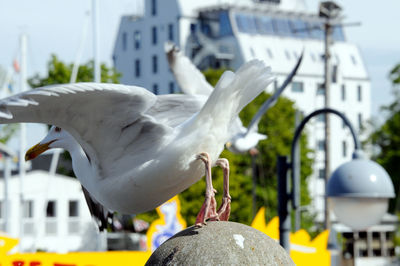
x=233, y=92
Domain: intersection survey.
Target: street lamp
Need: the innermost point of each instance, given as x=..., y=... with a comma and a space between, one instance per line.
x=360, y=189
x=359, y=192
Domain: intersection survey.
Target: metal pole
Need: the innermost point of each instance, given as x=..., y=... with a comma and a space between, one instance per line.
x=96, y=63
x=296, y=178
x=253, y=190
x=7, y=175
x=328, y=36
x=22, y=135
x=283, y=203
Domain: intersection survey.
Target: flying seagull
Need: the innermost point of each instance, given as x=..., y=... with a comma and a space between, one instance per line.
x=192, y=82
x=132, y=150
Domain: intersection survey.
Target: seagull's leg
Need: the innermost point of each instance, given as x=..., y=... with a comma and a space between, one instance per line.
x=208, y=209
x=225, y=209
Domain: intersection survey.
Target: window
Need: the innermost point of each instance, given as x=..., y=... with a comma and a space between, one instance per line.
x=320, y=89
x=353, y=59
x=51, y=209
x=282, y=27
x=155, y=89
x=246, y=23
x=1, y=211
x=253, y=54
x=321, y=145
x=154, y=35
x=344, y=148
x=287, y=54
x=321, y=173
x=171, y=87
x=225, y=28
x=171, y=32
x=360, y=122
x=73, y=208
x=154, y=61
x=297, y=86
x=153, y=7
x=343, y=92
x=359, y=93
x=337, y=33
x=269, y=52
x=321, y=118
x=334, y=73
x=264, y=25
x=299, y=28
x=136, y=40
x=124, y=41
x=312, y=57
x=316, y=30
x=137, y=68
x=28, y=209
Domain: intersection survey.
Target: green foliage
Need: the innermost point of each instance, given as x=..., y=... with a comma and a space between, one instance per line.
x=394, y=74
x=60, y=73
x=387, y=139
x=7, y=131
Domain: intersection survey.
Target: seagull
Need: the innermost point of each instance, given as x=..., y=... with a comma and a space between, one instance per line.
x=192, y=82
x=133, y=150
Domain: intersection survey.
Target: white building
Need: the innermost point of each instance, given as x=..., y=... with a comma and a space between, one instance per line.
x=232, y=32
x=55, y=216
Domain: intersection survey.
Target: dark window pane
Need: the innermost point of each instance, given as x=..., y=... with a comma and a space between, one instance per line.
x=136, y=39
x=51, y=209
x=137, y=68
x=225, y=28
x=171, y=32
x=154, y=64
x=124, y=41
x=155, y=89
x=153, y=7
x=154, y=35
x=171, y=87
x=297, y=86
x=73, y=208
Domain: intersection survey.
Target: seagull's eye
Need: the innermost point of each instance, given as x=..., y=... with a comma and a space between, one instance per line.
x=57, y=129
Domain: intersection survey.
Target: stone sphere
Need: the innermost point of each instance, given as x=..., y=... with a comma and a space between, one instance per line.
x=220, y=243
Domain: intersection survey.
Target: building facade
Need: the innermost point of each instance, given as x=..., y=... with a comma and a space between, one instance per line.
x=229, y=33
x=55, y=217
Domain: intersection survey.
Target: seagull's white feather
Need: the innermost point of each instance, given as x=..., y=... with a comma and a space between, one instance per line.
x=133, y=150
x=190, y=80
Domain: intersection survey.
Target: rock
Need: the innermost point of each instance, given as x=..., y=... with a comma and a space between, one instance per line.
x=220, y=243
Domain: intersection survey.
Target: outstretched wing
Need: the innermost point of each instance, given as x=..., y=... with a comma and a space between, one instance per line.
x=189, y=78
x=108, y=120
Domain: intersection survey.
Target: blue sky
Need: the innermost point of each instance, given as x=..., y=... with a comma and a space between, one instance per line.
x=56, y=27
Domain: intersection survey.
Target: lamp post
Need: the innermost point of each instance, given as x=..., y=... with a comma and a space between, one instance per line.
x=360, y=189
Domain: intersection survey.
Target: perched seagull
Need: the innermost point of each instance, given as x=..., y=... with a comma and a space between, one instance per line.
x=132, y=150
x=192, y=82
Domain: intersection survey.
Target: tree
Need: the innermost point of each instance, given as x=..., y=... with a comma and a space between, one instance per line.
x=387, y=139
x=60, y=73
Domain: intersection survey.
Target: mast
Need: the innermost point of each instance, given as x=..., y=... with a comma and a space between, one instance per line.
x=22, y=135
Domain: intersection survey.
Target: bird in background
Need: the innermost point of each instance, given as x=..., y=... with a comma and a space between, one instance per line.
x=192, y=82
x=133, y=150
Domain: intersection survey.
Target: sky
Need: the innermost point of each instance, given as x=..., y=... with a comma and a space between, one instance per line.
x=55, y=27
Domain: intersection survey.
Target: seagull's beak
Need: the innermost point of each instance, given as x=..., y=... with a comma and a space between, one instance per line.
x=36, y=150
x=228, y=144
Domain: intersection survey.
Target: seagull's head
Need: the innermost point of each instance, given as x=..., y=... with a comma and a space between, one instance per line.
x=55, y=138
